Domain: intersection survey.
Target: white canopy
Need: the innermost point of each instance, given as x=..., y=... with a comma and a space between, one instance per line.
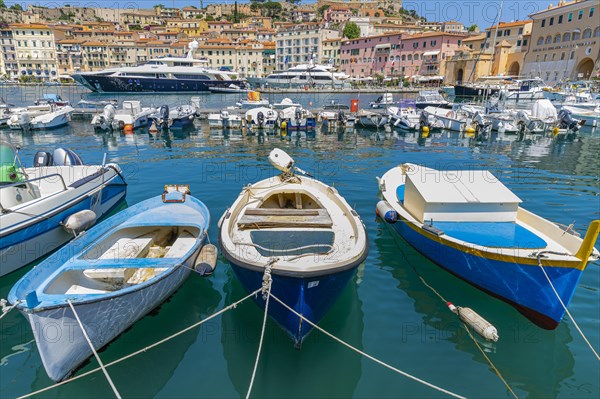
x=430, y=53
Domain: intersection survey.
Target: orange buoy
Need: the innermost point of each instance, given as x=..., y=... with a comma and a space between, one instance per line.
x=128, y=128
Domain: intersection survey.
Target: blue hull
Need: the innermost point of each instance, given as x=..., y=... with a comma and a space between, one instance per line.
x=124, y=84
x=523, y=286
x=312, y=297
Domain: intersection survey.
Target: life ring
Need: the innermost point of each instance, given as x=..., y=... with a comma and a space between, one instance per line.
x=449, y=114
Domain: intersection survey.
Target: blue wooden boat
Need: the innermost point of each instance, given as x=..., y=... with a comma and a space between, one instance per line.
x=470, y=224
x=113, y=275
x=37, y=202
x=309, y=235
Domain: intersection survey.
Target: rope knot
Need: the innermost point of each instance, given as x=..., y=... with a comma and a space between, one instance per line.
x=267, y=279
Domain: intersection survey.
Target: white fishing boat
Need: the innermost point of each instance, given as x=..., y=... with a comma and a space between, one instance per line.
x=383, y=101
x=37, y=120
x=224, y=120
x=178, y=117
x=253, y=100
x=286, y=103
x=431, y=98
x=113, y=275
x=37, y=202
x=297, y=118
x=305, y=232
x=371, y=119
x=403, y=118
x=452, y=119
x=132, y=114
x=261, y=118
x=526, y=90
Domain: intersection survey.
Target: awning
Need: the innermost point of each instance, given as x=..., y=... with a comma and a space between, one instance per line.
x=431, y=78
x=428, y=53
x=380, y=46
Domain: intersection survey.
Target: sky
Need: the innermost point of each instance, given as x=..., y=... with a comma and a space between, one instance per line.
x=481, y=13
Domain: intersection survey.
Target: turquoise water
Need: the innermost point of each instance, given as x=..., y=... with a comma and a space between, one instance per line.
x=385, y=311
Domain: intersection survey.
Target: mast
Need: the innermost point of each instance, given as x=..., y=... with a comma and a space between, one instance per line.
x=495, y=37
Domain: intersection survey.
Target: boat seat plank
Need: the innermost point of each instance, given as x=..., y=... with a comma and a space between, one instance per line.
x=492, y=234
x=103, y=264
x=181, y=246
x=281, y=212
x=80, y=290
x=133, y=247
x=314, y=218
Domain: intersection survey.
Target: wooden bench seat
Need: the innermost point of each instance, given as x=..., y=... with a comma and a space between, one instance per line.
x=264, y=218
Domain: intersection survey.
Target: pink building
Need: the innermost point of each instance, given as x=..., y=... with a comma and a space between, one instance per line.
x=337, y=14
x=367, y=56
x=424, y=53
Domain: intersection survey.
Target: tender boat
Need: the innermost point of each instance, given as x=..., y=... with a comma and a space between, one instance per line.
x=286, y=103
x=180, y=117
x=112, y=276
x=261, y=118
x=297, y=118
x=36, y=202
x=403, y=118
x=104, y=120
x=431, y=98
x=371, y=119
x=36, y=119
x=224, y=120
x=305, y=232
x=132, y=114
x=89, y=104
x=242, y=87
x=383, y=101
x=52, y=98
x=470, y=224
x=526, y=90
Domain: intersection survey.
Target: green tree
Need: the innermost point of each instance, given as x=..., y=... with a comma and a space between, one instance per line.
x=473, y=28
x=209, y=18
x=16, y=7
x=2, y=5
x=321, y=10
x=351, y=30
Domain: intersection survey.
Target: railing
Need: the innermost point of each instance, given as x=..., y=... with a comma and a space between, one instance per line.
x=18, y=183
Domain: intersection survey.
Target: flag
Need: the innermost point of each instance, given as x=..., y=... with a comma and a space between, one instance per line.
x=286, y=60
x=393, y=62
x=331, y=60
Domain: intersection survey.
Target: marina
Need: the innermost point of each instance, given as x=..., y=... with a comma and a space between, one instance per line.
x=385, y=309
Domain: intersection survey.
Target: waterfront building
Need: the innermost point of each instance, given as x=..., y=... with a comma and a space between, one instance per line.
x=301, y=44
x=69, y=55
x=9, y=66
x=453, y=27
x=330, y=52
x=366, y=56
x=35, y=50
x=423, y=55
x=94, y=56
x=565, y=42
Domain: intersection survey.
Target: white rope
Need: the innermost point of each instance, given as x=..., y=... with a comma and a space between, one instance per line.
x=563, y=304
x=87, y=338
x=366, y=354
x=266, y=292
x=162, y=341
x=6, y=309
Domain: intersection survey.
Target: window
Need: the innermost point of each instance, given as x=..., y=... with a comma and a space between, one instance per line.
x=548, y=39
x=540, y=41
x=562, y=56
x=576, y=34
x=587, y=33
x=591, y=12
x=551, y=21
x=524, y=42
x=560, y=18
x=416, y=57
x=543, y=23
x=566, y=37
x=580, y=15
x=557, y=38
x=507, y=32
x=570, y=18
x=597, y=32
x=520, y=31
x=518, y=43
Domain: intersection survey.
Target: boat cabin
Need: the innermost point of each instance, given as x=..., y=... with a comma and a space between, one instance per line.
x=457, y=196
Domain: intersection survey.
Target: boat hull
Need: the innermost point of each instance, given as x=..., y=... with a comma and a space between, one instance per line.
x=60, y=341
x=310, y=296
x=524, y=286
x=124, y=84
x=27, y=244
x=473, y=91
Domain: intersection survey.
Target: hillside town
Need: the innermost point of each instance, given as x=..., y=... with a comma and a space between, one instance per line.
x=376, y=40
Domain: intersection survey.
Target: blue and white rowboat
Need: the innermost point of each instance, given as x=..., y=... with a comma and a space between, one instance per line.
x=306, y=231
x=113, y=275
x=470, y=224
x=36, y=202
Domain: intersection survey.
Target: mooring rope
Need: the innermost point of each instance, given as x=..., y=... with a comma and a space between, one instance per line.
x=266, y=293
x=302, y=318
x=162, y=341
x=87, y=338
x=539, y=259
x=6, y=309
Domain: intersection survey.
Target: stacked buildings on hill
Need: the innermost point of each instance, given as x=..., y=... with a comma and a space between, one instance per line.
x=557, y=44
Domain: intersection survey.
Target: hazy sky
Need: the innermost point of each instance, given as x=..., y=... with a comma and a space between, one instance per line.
x=482, y=13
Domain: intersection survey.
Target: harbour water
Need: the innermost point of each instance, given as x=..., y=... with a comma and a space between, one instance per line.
x=386, y=310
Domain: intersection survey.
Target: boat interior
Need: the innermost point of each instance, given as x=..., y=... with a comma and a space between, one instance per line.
x=125, y=258
x=288, y=223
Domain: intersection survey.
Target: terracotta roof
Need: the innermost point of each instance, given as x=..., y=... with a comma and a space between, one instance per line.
x=510, y=24
x=474, y=38
x=29, y=26
x=95, y=44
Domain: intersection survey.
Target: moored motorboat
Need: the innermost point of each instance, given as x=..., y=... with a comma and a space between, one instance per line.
x=179, y=117
x=132, y=114
x=297, y=118
x=431, y=98
x=110, y=277
x=403, y=118
x=383, y=101
x=35, y=119
x=103, y=121
x=36, y=202
x=304, y=232
x=253, y=100
x=470, y=224
x=261, y=118
x=371, y=119
x=224, y=120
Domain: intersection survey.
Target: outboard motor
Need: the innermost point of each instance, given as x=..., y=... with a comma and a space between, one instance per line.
x=260, y=118
x=482, y=126
x=65, y=157
x=341, y=117
x=566, y=120
x=42, y=158
x=424, y=119
x=524, y=122
x=163, y=114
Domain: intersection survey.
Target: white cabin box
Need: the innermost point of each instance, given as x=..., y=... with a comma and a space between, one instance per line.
x=458, y=196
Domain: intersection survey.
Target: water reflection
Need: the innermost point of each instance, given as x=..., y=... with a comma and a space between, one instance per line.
x=310, y=372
